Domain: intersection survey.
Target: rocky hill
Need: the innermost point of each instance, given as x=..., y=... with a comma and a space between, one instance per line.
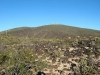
x=52, y=31
x=27, y=51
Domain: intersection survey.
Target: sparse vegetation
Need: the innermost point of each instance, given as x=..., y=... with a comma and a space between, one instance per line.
x=52, y=31
x=33, y=56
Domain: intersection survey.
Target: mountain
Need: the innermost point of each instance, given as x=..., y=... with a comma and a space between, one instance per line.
x=29, y=56
x=52, y=31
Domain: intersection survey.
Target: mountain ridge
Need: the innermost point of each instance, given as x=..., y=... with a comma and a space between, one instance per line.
x=52, y=31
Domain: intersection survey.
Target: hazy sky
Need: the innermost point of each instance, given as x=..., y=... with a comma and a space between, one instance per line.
x=33, y=13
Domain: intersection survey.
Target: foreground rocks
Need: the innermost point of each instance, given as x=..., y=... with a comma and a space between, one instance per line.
x=60, y=57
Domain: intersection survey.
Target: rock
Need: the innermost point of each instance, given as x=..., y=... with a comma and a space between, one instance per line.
x=40, y=73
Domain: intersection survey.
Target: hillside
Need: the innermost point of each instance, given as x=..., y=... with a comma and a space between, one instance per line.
x=52, y=31
x=30, y=56
x=25, y=51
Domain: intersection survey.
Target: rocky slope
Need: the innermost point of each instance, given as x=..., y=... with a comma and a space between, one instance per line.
x=30, y=56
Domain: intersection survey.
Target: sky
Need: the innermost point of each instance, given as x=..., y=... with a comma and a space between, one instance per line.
x=34, y=13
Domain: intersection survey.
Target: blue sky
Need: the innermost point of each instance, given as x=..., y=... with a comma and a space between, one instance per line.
x=33, y=13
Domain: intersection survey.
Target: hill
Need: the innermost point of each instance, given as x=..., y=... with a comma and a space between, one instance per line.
x=52, y=31
x=36, y=56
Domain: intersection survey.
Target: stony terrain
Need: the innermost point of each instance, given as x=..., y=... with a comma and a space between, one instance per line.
x=31, y=56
